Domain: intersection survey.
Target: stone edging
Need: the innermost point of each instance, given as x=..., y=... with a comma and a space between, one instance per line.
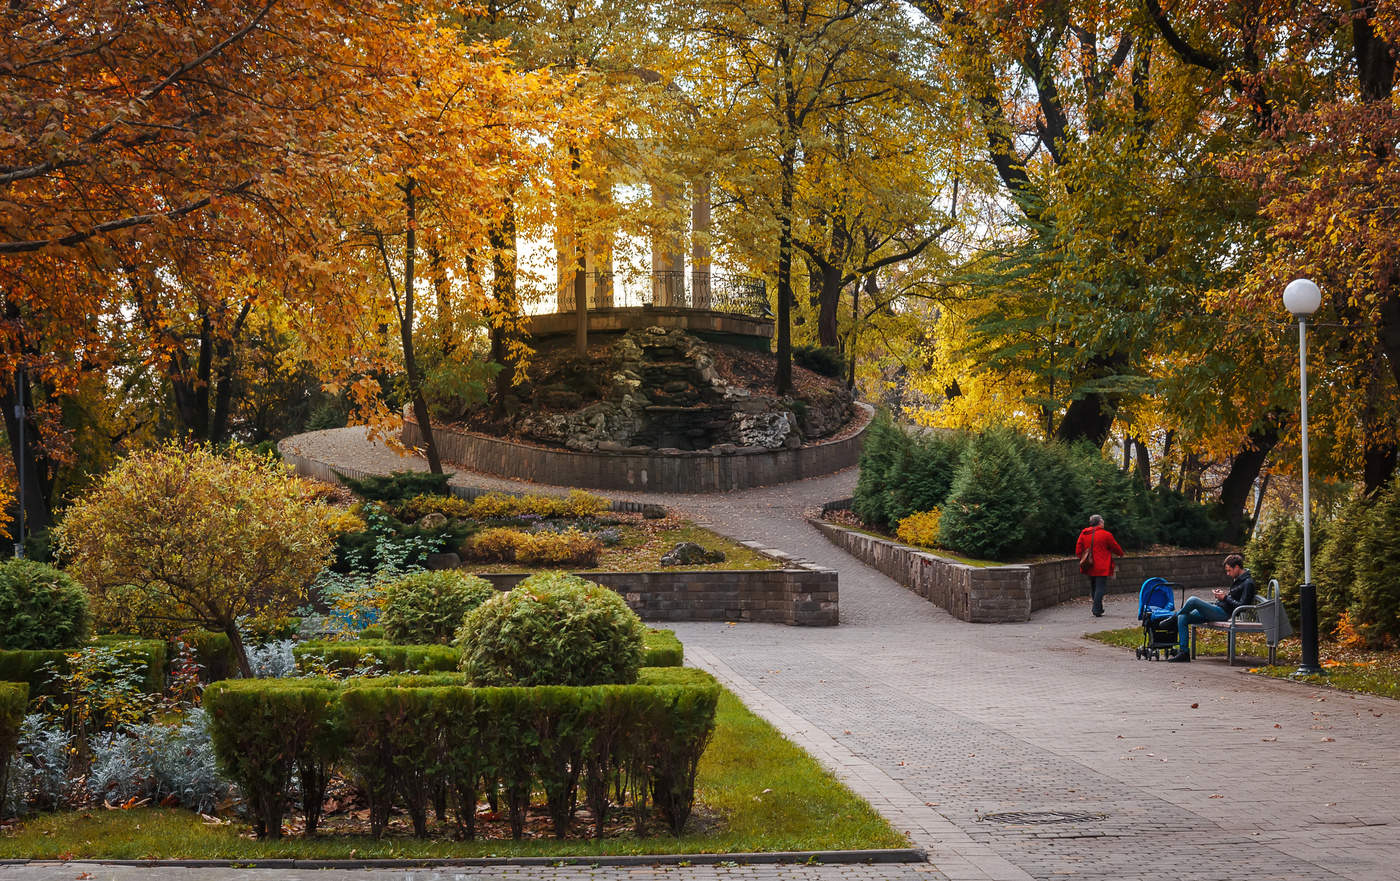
x=1010, y=593
x=835, y=857
x=684, y=471
x=799, y=594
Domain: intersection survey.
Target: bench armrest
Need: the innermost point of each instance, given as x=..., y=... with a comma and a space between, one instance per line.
x=1235, y=614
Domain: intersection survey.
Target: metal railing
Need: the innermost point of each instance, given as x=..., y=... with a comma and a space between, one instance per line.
x=722, y=292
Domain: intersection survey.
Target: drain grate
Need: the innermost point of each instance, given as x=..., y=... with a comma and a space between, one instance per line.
x=1038, y=818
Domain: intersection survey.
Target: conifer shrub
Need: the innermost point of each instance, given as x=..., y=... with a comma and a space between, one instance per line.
x=986, y=515
x=568, y=548
x=885, y=443
x=495, y=545
x=429, y=606
x=41, y=607
x=1335, y=568
x=552, y=629
x=397, y=486
x=1375, y=608
x=14, y=697
x=921, y=475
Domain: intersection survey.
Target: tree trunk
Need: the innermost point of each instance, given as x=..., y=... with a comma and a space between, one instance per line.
x=782, y=379
x=503, y=280
x=406, y=318
x=1244, y=470
x=240, y=651
x=1378, y=466
x=29, y=458
x=1144, y=462
x=1089, y=418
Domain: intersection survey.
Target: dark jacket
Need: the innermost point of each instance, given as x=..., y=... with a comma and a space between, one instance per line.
x=1241, y=593
x=1106, y=547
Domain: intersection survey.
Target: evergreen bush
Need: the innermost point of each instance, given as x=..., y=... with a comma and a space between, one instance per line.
x=822, y=360
x=1375, y=609
x=397, y=486
x=986, y=512
x=40, y=607
x=921, y=474
x=429, y=606
x=1335, y=569
x=662, y=649
x=885, y=444
x=552, y=629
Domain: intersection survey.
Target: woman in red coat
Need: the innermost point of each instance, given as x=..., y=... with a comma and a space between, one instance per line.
x=1098, y=565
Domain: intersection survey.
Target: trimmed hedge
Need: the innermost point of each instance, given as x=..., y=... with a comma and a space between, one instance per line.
x=416, y=741
x=14, y=698
x=354, y=654
x=662, y=649
x=25, y=666
x=263, y=729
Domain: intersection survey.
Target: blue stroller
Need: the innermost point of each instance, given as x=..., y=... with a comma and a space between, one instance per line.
x=1157, y=612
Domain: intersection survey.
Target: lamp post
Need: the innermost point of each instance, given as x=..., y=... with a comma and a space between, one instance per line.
x=1302, y=298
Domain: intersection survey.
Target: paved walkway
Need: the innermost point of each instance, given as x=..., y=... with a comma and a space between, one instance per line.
x=1167, y=771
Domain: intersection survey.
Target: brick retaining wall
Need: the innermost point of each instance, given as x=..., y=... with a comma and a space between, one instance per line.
x=798, y=594
x=993, y=594
x=688, y=471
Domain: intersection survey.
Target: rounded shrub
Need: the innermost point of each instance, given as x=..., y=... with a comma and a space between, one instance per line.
x=553, y=629
x=41, y=607
x=426, y=607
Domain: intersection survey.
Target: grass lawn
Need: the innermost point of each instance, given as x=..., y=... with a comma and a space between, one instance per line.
x=643, y=543
x=1366, y=672
x=756, y=792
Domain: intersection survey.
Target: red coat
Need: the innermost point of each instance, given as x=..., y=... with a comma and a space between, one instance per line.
x=1105, y=549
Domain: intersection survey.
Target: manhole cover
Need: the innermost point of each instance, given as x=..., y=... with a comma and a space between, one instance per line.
x=1032, y=818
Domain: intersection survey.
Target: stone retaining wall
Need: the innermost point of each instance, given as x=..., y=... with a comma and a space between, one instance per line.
x=799, y=594
x=994, y=594
x=683, y=471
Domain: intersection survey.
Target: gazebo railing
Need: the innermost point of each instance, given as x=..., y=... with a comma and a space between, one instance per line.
x=721, y=292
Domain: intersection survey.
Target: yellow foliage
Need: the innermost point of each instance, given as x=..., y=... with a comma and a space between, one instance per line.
x=342, y=521
x=920, y=529
x=557, y=548
x=496, y=544
x=496, y=505
x=448, y=506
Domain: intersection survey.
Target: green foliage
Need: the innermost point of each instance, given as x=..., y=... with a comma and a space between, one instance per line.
x=414, y=737
x=398, y=486
x=103, y=686
x=986, y=512
x=1375, y=611
x=14, y=697
x=662, y=649
x=921, y=476
x=263, y=729
x=1339, y=563
x=39, y=667
x=884, y=445
x=823, y=360
x=40, y=607
x=552, y=629
x=214, y=653
x=429, y=606
x=360, y=654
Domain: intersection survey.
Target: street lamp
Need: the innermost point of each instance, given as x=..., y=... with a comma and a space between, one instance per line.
x=1302, y=298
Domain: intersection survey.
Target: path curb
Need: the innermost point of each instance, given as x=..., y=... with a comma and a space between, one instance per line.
x=836, y=857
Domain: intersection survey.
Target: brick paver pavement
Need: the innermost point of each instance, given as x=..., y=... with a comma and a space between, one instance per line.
x=1167, y=771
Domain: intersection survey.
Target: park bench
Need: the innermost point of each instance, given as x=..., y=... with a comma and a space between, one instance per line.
x=1267, y=617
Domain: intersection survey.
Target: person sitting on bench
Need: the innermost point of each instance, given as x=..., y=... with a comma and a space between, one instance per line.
x=1196, y=610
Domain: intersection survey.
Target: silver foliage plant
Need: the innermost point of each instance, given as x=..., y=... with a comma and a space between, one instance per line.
x=39, y=770
x=272, y=660
x=154, y=761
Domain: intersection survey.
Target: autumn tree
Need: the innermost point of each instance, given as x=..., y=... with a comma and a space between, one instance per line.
x=177, y=538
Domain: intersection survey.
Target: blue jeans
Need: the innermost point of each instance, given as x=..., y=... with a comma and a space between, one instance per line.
x=1195, y=611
